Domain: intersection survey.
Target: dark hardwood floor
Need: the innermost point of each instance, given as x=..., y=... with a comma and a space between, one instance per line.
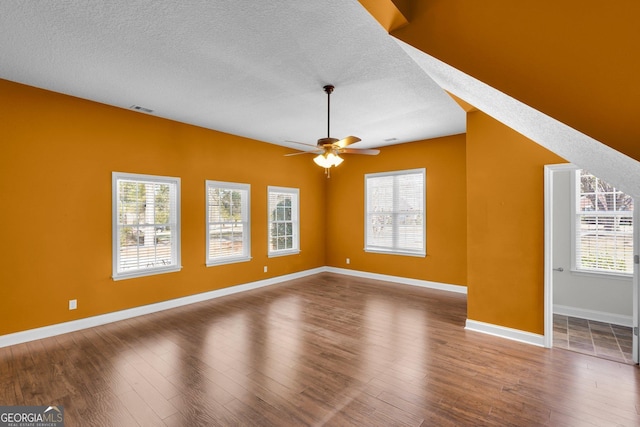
x=323, y=350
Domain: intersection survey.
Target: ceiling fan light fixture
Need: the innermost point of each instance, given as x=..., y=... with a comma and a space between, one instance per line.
x=322, y=161
x=326, y=160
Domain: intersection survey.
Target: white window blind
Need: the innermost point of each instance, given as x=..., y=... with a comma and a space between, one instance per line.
x=395, y=212
x=146, y=225
x=283, y=221
x=603, y=226
x=228, y=222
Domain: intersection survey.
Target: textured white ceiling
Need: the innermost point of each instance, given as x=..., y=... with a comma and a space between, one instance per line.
x=246, y=67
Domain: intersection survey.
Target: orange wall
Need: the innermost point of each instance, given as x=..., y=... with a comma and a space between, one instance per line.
x=484, y=210
x=58, y=153
x=575, y=61
x=505, y=227
x=444, y=160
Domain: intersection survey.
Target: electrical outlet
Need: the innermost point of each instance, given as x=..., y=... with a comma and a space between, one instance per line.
x=265, y=268
x=348, y=261
x=73, y=304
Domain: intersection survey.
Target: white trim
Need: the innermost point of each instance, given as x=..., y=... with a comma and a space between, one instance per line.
x=504, y=332
x=598, y=316
x=283, y=253
x=548, y=260
x=396, y=172
x=635, y=353
x=295, y=219
x=228, y=260
x=603, y=275
x=403, y=252
x=549, y=170
x=575, y=223
x=174, y=184
x=395, y=248
x=146, y=272
x=76, y=325
x=90, y=322
x=402, y=280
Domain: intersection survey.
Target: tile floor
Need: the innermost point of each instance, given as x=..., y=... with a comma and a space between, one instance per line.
x=599, y=339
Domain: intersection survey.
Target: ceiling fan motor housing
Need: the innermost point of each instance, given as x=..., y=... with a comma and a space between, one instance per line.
x=327, y=141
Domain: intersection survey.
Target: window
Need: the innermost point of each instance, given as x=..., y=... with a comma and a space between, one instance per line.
x=283, y=221
x=146, y=225
x=228, y=233
x=395, y=212
x=603, y=226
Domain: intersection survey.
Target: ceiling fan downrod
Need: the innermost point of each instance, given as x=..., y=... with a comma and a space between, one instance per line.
x=328, y=89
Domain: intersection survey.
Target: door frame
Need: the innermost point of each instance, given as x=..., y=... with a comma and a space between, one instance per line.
x=549, y=171
x=636, y=284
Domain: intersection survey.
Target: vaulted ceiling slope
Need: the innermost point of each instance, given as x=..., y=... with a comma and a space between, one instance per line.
x=569, y=143
x=576, y=61
x=250, y=68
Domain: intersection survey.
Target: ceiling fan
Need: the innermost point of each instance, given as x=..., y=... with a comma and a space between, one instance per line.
x=328, y=149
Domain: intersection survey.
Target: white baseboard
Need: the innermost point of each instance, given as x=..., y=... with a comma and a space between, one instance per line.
x=396, y=279
x=89, y=322
x=504, y=332
x=598, y=316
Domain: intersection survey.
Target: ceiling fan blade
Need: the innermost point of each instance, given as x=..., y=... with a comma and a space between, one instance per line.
x=369, y=151
x=301, y=143
x=347, y=141
x=305, y=152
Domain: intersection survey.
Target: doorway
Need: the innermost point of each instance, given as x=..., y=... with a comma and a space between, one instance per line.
x=581, y=298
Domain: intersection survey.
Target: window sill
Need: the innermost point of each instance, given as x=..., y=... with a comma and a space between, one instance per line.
x=381, y=251
x=284, y=253
x=143, y=273
x=595, y=274
x=227, y=261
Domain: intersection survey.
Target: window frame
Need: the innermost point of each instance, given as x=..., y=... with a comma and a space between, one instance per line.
x=576, y=214
x=246, y=223
x=396, y=249
x=174, y=223
x=295, y=221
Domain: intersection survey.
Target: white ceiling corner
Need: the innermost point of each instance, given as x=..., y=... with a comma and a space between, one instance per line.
x=254, y=69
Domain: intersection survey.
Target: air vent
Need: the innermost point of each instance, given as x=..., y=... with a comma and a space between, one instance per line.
x=139, y=108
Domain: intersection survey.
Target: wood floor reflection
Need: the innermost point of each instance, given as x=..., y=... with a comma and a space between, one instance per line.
x=322, y=350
